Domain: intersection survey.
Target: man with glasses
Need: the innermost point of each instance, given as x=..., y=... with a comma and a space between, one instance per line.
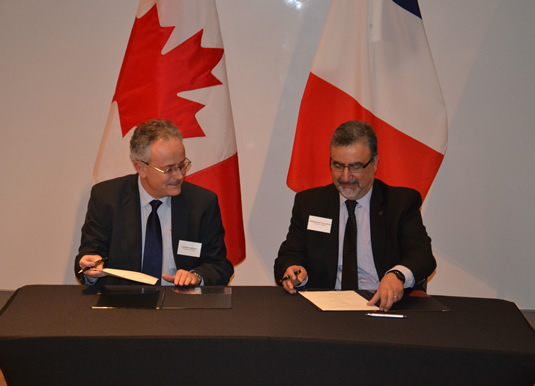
x=358, y=232
x=154, y=221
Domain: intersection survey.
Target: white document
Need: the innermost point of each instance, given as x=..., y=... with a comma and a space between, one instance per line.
x=131, y=275
x=338, y=301
x=319, y=224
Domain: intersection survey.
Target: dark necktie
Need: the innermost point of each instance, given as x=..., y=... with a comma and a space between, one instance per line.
x=349, y=267
x=152, y=257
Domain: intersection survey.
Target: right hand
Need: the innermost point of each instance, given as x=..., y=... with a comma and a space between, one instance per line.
x=89, y=261
x=293, y=279
x=183, y=278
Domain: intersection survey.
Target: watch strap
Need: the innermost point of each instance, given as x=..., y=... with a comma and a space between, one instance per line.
x=398, y=274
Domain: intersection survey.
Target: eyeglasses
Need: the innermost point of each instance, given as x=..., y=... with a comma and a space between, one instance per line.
x=183, y=167
x=355, y=168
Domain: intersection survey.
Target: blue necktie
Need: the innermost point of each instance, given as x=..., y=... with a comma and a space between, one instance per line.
x=152, y=256
x=350, y=279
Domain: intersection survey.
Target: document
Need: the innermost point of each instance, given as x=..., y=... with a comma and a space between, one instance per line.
x=338, y=301
x=131, y=275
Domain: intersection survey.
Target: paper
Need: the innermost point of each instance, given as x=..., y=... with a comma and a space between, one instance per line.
x=338, y=301
x=131, y=275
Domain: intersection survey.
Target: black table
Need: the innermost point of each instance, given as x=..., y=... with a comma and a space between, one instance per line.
x=51, y=335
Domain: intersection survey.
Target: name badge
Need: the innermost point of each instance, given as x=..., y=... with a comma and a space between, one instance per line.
x=189, y=248
x=319, y=224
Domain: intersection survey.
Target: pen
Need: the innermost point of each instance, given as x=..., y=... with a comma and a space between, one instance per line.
x=378, y=315
x=97, y=263
x=288, y=277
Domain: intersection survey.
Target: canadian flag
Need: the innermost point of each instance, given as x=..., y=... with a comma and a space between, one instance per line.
x=373, y=63
x=174, y=69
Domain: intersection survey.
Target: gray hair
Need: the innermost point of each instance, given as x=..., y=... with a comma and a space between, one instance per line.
x=149, y=132
x=351, y=132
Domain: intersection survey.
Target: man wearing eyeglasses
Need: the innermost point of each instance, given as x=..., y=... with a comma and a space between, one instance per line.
x=358, y=232
x=153, y=221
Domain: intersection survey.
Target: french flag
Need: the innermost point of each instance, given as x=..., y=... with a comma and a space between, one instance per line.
x=373, y=63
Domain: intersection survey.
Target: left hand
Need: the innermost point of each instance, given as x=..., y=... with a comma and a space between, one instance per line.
x=183, y=278
x=390, y=291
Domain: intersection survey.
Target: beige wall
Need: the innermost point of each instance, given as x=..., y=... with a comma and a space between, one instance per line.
x=59, y=63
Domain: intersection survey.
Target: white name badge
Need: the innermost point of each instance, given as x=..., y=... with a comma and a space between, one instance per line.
x=189, y=248
x=319, y=224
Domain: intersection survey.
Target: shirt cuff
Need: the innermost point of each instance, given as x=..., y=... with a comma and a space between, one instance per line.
x=409, y=277
x=303, y=283
x=89, y=281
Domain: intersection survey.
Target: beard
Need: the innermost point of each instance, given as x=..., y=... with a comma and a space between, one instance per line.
x=349, y=189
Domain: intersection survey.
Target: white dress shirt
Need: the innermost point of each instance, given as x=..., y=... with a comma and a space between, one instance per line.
x=367, y=274
x=164, y=213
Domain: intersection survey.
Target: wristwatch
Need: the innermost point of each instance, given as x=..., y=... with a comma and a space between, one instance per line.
x=399, y=275
x=198, y=275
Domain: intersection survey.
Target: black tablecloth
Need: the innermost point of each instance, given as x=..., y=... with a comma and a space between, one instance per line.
x=267, y=337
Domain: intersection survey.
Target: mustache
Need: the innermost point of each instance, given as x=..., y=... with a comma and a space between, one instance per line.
x=350, y=182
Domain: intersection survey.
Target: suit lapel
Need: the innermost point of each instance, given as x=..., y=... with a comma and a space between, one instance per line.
x=131, y=205
x=378, y=228
x=179, y=221
x=333, y=206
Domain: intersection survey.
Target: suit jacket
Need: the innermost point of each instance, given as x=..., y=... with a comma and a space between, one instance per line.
x=398, y=235
x=112, y=229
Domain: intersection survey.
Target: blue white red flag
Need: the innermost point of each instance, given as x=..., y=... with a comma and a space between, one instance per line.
x=373, y=63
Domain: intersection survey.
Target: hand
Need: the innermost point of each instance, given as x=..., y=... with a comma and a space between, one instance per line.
x=90, y=261
x=390, y=291
x=291, y=278
x=183, y=278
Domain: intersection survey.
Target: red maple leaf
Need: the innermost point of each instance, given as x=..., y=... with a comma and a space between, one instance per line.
x=149, y=81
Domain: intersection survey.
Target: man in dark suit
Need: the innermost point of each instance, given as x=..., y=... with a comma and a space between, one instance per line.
x=154, y=221
x=393, y=250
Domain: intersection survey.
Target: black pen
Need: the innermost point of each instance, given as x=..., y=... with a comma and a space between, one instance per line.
x=97, y=263
x=288, y=277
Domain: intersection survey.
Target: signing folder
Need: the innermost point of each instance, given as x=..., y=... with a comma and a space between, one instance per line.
x=161, y=298
x=197, y=297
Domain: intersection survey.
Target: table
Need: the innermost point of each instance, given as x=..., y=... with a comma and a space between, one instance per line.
x=51, y=335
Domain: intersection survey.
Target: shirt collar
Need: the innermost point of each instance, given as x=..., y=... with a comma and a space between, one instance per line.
x=146, y=198
x=362, y=202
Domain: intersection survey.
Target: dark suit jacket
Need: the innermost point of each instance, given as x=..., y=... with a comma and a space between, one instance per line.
x=112, y=229
x=397, y=233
